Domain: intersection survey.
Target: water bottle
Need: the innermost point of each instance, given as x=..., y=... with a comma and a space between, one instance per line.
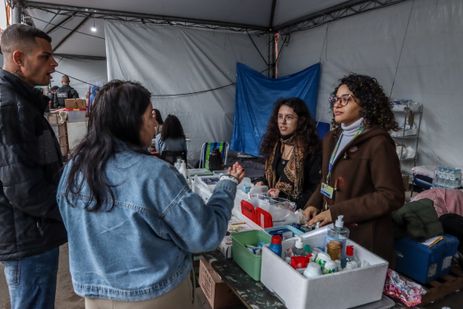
x=458, y=177
x=275, y=244
x=452, y=182
x=246, y=185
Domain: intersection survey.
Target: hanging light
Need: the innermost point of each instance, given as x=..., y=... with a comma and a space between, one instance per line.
x=93, y=28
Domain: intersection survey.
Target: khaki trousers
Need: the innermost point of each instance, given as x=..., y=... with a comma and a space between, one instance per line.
x=178, y=298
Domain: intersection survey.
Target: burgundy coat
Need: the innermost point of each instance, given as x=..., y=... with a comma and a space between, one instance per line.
x=369, y=188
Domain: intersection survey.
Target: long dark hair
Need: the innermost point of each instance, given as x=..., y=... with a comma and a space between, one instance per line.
x=158, y=116
x=116, y=117
x=305, y=127
x=376, y=106
x=172, y=128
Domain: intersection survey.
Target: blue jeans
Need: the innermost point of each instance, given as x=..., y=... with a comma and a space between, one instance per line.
x=32, y=280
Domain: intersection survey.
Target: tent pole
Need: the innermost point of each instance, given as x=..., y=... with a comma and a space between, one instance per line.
x=17, y=11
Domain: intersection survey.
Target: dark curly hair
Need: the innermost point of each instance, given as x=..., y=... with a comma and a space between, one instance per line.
x=376, y=106
x=305, y=127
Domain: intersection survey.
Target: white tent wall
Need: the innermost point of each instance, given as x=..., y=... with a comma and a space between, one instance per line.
x=178, y=60
x=430, y=70
x=82, y=73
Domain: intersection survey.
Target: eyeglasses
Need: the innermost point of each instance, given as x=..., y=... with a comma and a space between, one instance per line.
x=286, y=118
x=342, y=100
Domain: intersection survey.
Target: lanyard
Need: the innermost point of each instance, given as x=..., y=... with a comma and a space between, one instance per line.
x=335, y=150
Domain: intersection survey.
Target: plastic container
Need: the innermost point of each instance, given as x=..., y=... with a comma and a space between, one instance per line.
x=423, y=263
x=338, y=233
x=286, y=231
x=343, y=289
x=275, y=244
x=351, y=260
x=249, y=262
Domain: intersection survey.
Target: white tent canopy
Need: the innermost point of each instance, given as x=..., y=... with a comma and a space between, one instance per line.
x=411, y=47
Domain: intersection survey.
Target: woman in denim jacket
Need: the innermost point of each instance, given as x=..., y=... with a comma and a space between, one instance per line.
x=132, y=220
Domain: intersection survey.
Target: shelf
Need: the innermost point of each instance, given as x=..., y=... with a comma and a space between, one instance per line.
x=411, y=136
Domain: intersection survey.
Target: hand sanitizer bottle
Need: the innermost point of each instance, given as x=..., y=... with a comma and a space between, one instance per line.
x=339, y=233
x=298, y=249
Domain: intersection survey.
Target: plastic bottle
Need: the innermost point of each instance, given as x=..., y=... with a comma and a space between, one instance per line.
x=275, y=244
x=183, y=169
x=313, y=270
x=351, y=260
x=177, y=164
x=298, y=249
x=339, y=233
x=246, y=185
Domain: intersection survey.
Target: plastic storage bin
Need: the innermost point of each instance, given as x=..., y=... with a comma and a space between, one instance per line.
x=286, y=231
x=423, y=263
x=248, y=261
x=344, y=289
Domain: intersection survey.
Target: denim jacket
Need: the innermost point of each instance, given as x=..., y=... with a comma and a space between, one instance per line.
x=142, y=247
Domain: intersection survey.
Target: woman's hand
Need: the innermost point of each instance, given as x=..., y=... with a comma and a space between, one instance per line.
x=273, y=192
x=237, y=171
x=324, y=218
x=310, y=212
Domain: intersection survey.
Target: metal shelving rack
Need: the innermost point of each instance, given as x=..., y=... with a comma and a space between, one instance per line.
x=408, y=114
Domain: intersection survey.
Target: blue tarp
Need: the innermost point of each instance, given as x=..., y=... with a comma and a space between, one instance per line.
x=256, y=95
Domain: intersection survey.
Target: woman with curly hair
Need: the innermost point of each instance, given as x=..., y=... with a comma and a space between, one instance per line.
x=292, y=151
x=361, y=176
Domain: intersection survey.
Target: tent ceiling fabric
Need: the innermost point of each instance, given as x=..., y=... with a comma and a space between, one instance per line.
x=241, y=14
x=246, y=12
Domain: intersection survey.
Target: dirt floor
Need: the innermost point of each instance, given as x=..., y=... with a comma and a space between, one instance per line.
x=66, y=299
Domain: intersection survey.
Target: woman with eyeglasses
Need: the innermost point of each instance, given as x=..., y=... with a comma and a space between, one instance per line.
x=292, y=151
x=361, y=176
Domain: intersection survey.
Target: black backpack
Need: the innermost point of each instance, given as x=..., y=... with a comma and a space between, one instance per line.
x=215, y=160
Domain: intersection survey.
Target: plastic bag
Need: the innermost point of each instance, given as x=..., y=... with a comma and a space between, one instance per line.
x=406, y=291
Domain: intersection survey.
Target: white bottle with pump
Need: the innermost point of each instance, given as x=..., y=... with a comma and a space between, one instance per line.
x=339, y=233
x=182, y=169
x=298, y=249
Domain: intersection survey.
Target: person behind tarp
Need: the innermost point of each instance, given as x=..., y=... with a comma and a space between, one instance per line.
x=292, y=151
x=65, y=91
x=132, y=220
x=361, y=176
x=172, y=136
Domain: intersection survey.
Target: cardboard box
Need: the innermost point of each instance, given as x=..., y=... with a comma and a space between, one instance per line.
x=61, y=132
x=425, y=262
x=345, y=289
x=75, y=103
x=217, y=293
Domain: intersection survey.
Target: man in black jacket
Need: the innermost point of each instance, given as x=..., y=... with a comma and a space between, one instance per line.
x=65, y=91
x=31, y=228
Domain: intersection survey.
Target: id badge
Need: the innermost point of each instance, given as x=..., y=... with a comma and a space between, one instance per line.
x=327, y=190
